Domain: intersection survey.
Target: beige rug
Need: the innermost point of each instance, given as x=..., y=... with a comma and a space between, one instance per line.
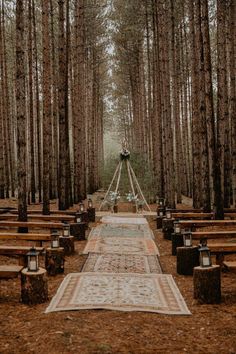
x=121, y=263
x=123, y=245
x=122, y=292
x=111, y=219
x=119, y=230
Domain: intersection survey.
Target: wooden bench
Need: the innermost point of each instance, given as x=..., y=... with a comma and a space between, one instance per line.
x=38, y=238
x=192, y=215
x=10, y=271
x=230, y=266
x=222, y=249
x=31, y=224
x=52, y=212
x=205, y=223
x=68, y=218
x=18, y=251
x=197, y=235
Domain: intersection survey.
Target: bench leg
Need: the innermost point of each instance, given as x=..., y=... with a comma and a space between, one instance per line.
x=220, y=259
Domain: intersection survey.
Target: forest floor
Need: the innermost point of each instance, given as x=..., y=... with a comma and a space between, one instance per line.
x=27, y=329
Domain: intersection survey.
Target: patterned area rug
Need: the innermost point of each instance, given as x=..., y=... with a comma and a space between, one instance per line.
x=119, y=230
x=123, y=292
x=121, y=245
x=121, y=263
x=122, y=220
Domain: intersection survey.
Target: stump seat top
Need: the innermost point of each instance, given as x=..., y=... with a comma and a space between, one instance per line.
x=230, y=265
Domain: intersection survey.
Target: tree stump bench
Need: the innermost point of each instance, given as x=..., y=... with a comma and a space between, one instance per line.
x=34, y=286
x=187, y=259
x=207, y=284
x=54, y=261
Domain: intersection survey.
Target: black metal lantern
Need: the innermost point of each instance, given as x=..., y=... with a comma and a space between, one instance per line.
x=90, y=203
x=33, y=260
x=81, y=207
x=168, y=213
x=66, y=230
x=177, y=227
x=205, y=255
x=161, y=212
x=78, y=217
x=187, y=237
x=54, y=239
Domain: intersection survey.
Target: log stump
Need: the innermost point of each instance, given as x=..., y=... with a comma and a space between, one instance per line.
x=177, y=241
x=207, y=284
x=159, y=222
x=167, y=228
x=34, y=286
x=187, y=259
x=54, y=261
x=78, y=230
x=68, y=243
x=91, y=214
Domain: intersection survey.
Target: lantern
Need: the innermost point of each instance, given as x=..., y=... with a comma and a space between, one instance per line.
x=168, y=214
x=66, y=230
x=205, y=257
x=33, y=260
x=90, y=203
x=161, y=212
x=78, y=217
x=177, y=228
x=81, y=207
x=187, y=237
x=54, y=239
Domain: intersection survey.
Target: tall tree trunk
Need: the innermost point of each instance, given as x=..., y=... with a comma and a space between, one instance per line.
x=21, y=111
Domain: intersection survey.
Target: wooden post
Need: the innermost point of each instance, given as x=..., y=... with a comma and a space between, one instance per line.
x=54, y=262
x=34, y=286
x=177, y=241
x=187, y=259
x=91, y=214
x=78, y=230
x=167, y=228
x=159, y=222
x=207, y=284
x=115, y=208
x=68, y=243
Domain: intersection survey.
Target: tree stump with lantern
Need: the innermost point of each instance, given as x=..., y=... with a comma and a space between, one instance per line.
x=34, y=286
x=54, y=260
x=207, y=284
x=187, y=259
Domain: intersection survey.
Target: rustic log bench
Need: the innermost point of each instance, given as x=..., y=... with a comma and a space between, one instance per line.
x=230, y=266
x=177, y=239
x=10, y=271
x=222, y=249
x=52, y=212
x=38, y=238
x=18, y=251
x=195, y=215
x=68, y=218
x=194, y=224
